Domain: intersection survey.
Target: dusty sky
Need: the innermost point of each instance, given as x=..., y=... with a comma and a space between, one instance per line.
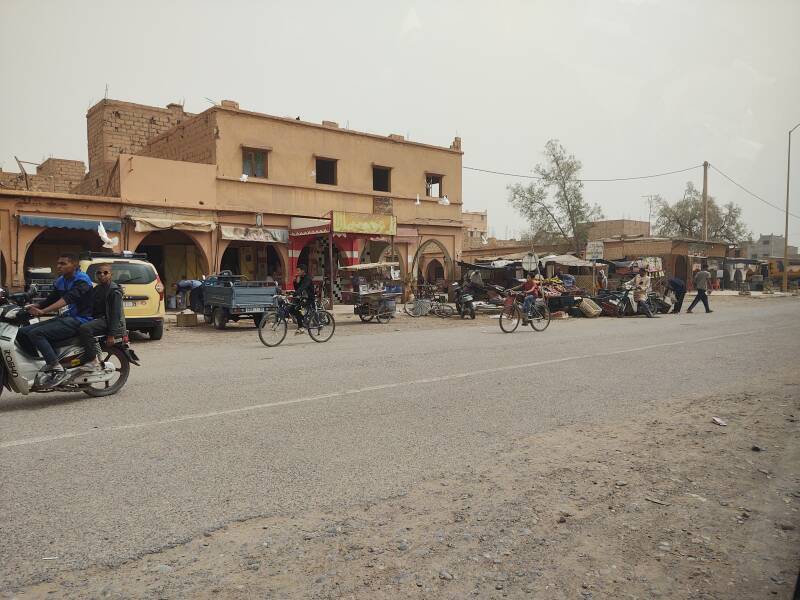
x=631, y=87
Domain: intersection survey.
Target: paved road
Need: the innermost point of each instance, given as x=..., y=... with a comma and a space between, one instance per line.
x=216, y=428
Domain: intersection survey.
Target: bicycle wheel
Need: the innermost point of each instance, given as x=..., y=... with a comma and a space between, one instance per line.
x=444, y=311
x=540, y=317
x=320, y=325
x=509, y=318
x=410, y=308
x=272, y=329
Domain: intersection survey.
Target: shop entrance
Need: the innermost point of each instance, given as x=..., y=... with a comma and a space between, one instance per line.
x=3, y=270
x=681, y=267
x=256, y=262
x=434, y=272
x=175, y=256
x=45, y=249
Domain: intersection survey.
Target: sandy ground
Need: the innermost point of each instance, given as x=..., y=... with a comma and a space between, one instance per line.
x=670, y=505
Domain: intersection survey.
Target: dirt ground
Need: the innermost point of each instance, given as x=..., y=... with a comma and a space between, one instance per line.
x=670, y=505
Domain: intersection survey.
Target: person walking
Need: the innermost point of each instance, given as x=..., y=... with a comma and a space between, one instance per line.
x=678, y=287
x=108, y=317
x=701, y=277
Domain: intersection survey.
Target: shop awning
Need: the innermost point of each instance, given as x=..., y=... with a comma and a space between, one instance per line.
x=567, y=260
x=66, y=223
x=308, y=226
x=254, y=234
x=153, y=220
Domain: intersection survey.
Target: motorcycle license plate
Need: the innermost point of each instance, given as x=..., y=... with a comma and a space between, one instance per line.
x=128, y=304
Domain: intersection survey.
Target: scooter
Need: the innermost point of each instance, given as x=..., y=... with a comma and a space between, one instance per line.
x=21, y=372
x=465, y=302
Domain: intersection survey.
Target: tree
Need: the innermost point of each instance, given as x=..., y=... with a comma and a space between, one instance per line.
x=685, y=218
x=567, y=215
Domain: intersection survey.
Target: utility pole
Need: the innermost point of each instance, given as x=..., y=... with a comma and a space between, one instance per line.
x=785, y=282
x=650, y=201
x=705, y=200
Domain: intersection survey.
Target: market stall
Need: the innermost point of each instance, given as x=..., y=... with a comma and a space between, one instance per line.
x=373, y=290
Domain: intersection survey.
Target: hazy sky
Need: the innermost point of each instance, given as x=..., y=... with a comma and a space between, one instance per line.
x=631, y=87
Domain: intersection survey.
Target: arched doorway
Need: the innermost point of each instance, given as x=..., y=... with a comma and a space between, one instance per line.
x=255, y=261
x=175, y=255
x=3, y=271
x=434, y=272
x=374, y=250
x=43, y=251
x=432, y=249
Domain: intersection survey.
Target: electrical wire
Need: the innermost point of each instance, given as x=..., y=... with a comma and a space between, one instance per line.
x=586, y=180
x=754, y=195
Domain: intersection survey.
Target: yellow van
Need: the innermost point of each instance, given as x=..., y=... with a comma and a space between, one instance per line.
x=142, y=290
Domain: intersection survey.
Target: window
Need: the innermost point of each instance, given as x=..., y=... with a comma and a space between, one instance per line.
x=126, y=272
x=433, y=185
x=381, y=179
x=254, y=162
x=326, y=171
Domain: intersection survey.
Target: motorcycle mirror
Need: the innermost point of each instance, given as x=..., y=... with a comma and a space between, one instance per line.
x=33, y=289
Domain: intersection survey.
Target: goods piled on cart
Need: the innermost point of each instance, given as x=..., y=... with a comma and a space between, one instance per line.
x=373, y=290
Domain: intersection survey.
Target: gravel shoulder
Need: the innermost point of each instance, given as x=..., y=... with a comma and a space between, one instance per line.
x=670, y=505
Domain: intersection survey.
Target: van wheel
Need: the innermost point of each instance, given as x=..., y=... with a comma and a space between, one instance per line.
x=157, y=332
x=220, y=318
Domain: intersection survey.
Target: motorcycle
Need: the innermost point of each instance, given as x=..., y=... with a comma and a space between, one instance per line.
x=465, y=301
x=622, y=303
x=21, y=372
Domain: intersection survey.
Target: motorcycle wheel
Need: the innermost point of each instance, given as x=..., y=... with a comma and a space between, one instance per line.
x=472, y=314
x=271, y=329
x=122, y=366
x=365, y=318
x=384, y=316
x=320, y=326
x=509, y=319
x=621, y=309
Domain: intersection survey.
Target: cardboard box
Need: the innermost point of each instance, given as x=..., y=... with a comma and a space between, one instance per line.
x=187, y=319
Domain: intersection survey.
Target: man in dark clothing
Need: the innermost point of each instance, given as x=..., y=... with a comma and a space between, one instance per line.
x=678, y=287
x=108, y=317
x=304, y=295
x=73, y=290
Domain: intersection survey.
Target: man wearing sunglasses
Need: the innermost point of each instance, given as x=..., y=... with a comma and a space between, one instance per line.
x=108, y=318
x=72, y=290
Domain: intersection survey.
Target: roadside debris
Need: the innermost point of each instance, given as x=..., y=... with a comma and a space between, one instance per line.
x=718, y=421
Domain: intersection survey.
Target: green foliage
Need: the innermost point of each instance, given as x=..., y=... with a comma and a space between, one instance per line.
x=554, y=206
x=684, y=218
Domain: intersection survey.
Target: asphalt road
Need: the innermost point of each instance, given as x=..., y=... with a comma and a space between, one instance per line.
x=216, y=428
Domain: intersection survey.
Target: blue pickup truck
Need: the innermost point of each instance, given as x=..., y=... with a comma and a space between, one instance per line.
x=228, y=297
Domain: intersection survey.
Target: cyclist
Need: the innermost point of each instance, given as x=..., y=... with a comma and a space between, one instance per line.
x=531, y=289
x=304, y=296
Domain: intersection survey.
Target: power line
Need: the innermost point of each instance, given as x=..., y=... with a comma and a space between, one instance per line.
x=586, y=180
x=753, y=194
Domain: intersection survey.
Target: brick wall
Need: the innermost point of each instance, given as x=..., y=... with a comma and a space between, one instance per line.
x=191, y=141
x=114, y=127
x=53, y=175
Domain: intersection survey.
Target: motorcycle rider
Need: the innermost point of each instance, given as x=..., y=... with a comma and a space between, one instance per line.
x=641, y=286
x=71, y=289
x=108, y=317
x=304, y=295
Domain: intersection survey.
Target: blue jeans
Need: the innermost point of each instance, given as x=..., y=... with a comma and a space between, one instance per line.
x=40, y=335
x=527, y=304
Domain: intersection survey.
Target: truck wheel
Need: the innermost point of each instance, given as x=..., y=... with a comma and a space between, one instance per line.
x=157, y=332
x=220, y=317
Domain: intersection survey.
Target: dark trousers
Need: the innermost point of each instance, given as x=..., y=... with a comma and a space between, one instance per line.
x=701, y=296
x=676, y=308
x=40, y=335
x=88, y=332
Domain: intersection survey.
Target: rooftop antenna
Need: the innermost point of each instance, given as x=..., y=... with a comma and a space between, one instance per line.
x=106, y=96
x=210, y=101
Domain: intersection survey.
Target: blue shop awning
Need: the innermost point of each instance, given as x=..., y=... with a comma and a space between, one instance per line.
x=64, y=223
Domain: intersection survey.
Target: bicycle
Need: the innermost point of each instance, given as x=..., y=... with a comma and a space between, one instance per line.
x=275, y=323
x=426, y=301
x=538, y=316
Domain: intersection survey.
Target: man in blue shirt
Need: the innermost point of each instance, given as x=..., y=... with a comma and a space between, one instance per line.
x=72, y=289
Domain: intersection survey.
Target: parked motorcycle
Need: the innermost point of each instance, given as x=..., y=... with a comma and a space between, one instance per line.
x=20, y=371
x=465, y=302
x=622, y=302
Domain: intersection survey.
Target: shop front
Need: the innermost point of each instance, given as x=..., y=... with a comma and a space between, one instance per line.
x=323, y=245
x=256, y=253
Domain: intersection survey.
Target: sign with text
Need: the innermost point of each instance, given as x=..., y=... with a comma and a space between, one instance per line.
x=594, y=250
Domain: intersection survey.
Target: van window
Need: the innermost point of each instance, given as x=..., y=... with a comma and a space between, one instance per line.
x=124, y=272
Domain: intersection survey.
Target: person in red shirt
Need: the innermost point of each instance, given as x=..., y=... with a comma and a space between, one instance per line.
x=531, y=289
